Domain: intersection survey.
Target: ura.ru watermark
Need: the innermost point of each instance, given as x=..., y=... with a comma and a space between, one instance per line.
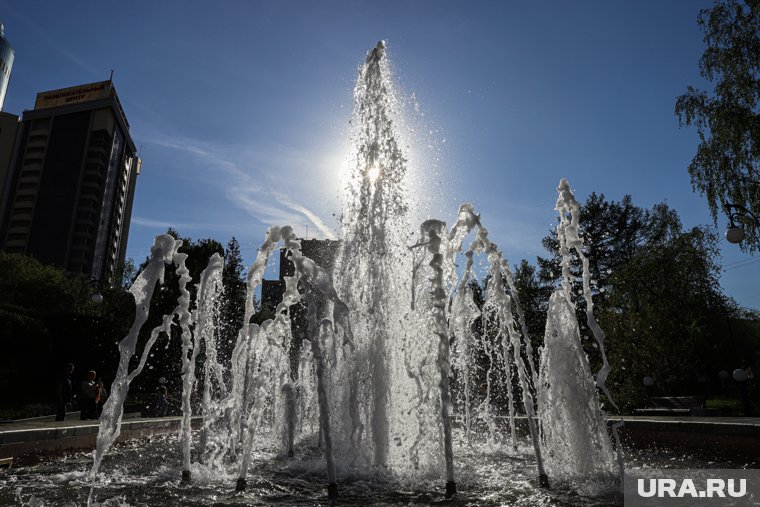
x=718, y=487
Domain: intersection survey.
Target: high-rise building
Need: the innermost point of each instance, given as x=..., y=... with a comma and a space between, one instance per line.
x=6, y=63
x=8, y=129
x=71, y=183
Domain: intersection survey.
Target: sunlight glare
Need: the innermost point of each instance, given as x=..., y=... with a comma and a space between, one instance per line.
x=373, y=173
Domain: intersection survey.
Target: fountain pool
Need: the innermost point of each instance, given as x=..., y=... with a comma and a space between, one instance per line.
x=147, y=472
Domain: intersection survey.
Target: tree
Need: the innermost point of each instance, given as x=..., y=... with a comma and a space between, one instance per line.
x=48, y=319
x=666, y=318
x=232, y=309
x=726, y=167
x=611, y=232
x=656, y=295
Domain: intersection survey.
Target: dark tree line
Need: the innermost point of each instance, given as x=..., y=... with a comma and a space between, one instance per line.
x=656, y=294
x=47, y=318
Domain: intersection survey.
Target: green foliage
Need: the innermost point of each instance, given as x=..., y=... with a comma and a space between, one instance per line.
x=666, y=317
x=126, y=274
x=726, y=167
x=233, y=304
x=656, y=295
x=48, y=319
x=611, y=232
x=28, y=284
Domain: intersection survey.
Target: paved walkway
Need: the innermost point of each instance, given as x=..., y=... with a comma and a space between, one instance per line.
x=745, y=426
x=40, y=435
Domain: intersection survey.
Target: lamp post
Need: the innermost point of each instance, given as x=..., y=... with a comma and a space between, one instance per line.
x=734, y=233
x=96, y=296
x=92, y=286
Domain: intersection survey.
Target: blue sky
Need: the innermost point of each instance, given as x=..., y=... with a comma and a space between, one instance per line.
x=241, y=107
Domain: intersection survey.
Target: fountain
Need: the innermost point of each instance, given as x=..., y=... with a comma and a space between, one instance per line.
x=388, y=330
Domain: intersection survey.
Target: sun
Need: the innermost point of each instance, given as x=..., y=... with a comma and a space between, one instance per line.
x=373, y=173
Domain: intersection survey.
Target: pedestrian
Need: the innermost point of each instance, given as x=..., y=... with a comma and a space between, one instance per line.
x=100, y=399
x=88, y=403
x=161, y=404
x=64, y=392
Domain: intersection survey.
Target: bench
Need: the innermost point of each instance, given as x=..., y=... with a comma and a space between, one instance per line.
x=674, y=405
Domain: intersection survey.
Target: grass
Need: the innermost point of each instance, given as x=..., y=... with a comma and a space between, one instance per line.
x=729, y=406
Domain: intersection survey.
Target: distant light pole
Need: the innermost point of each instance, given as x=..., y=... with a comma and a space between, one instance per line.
x=93, y=287
x=734, y=233
x=96, y=297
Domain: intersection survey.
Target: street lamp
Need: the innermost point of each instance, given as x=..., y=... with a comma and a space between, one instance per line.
x=96, y=296
x=734, y=233
x=93, y=287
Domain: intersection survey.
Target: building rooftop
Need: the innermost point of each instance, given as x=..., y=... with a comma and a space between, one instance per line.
x=79, y=94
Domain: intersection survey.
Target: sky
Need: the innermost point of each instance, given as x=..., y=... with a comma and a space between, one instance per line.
x=241, y=109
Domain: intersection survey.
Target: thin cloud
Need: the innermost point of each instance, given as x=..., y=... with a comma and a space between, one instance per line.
x=243, y=190
x=326, y=231
x=178, y=143
x=161, y=224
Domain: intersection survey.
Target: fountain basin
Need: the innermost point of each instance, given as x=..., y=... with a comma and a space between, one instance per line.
x=27, y=441
x=148, y=471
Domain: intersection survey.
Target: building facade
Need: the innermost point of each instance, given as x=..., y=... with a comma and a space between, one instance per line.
x=8, y=128
x=6, y=64
x=71, y=183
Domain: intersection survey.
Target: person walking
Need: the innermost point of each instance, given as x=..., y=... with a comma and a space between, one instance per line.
x=64, y=392
x=161, y=403
x=90, y=391
x=100, y=399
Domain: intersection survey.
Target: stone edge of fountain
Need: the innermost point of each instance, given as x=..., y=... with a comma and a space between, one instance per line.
x=20, y=441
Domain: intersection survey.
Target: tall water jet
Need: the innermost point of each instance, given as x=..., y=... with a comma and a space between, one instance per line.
x=372, y=276
x=189, y=347
x=162, y=253
x=202, y=331
x=432, y=234
x=290, y=418
x=573, y=430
